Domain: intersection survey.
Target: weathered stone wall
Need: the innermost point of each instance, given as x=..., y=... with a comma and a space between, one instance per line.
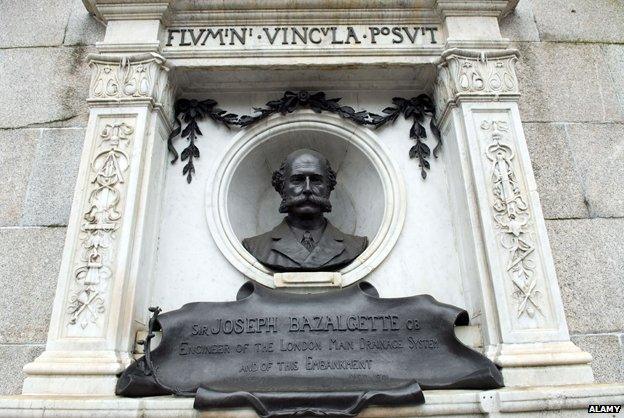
x=572, y=73
x=43, y=86
x=572, y=80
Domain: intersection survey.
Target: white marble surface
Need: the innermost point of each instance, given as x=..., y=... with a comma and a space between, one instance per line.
x=424, y=259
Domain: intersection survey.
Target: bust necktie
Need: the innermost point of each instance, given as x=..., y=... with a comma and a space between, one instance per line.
x=308, y=241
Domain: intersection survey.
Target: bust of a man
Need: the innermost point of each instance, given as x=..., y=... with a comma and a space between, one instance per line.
x=305, y=240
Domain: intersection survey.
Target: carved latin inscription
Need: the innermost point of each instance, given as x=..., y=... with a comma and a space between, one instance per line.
x=511, y=215
x=101, y=219
x=302, y=36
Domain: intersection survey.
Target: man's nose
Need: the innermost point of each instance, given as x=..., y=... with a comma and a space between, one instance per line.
x=306, y=186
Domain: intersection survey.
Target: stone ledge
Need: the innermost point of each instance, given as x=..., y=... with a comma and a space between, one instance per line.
x=308, y=279
x=546, y=400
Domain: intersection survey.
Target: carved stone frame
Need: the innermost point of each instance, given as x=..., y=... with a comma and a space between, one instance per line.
x=364, y=139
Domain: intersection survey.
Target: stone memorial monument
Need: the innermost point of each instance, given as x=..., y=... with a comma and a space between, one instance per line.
x=404, y=252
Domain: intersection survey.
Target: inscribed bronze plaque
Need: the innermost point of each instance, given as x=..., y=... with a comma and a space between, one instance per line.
x=333, y=352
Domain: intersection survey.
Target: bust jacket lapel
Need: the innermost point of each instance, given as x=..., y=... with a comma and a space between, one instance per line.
x=285, y=243
x=329, y=247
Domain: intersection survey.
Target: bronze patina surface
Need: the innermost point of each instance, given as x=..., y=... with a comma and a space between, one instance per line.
x=329, y=353
x=305, y=240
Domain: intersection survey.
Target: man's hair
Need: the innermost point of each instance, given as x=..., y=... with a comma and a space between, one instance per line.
x=279, y=175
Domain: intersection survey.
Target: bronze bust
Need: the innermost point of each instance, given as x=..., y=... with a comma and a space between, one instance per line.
x=305, y=240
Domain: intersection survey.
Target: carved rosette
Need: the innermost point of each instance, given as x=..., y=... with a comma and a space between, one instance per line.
x=101, y=218
x=488, y=75
x=512, y=218
x=144, y=76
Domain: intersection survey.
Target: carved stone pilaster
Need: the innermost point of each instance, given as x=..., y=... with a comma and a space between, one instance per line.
x=112, y=230
x=476, y=95
x=486, y=76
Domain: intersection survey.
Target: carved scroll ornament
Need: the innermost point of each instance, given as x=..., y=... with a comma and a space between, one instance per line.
x=512, y=216
x=475, y=73
x=139, y=77
x=101, y=219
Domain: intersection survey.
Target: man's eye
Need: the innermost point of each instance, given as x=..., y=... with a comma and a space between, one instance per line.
x=317, y=179
x=296, y=179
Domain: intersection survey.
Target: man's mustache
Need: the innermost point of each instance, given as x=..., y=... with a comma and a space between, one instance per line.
x=289, y=202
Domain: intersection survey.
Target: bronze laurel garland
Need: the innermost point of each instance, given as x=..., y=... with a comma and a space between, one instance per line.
x=414, y=109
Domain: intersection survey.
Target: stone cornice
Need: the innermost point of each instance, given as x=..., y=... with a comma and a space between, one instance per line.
x=497, y=8
x=107, y=10
x=285, y=12
x=475, y=75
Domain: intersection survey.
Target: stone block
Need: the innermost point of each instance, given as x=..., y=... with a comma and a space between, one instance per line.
x=614, y=55
x=566, y=83
x=13, y=358
x=43, y=85
x=520, y=24
x=82, y=28
x=559, y=184
x=608, y=363
x=579, y=20
x=30, y=259
x=599, y=157
x=17, y=150
x=33, y=22
x=51, y=185
x=589, y=259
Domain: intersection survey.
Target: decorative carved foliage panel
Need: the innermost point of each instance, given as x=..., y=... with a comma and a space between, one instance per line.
x=517, y=245
x=130, y=78
x=475, y=74
x=93, y=267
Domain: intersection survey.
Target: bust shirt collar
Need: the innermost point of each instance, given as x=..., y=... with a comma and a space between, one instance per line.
x=316, y=233
x=283, y=230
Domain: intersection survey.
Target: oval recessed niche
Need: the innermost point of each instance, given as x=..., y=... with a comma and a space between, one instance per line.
x=368, y=199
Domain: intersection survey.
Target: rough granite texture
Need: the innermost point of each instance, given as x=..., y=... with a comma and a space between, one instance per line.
x=563, y=82
x=32, y=23
x=13, y=358
x=606, y=348
x=579, y=20
x=614, y=55
x=29, y=264
x=589, y=259
x=51, y=186
x=601, y=169
x=17, y=151
x=43, y=85
x=82, y=29
x=44, y=80
x=558, y=179
x=572, y=80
